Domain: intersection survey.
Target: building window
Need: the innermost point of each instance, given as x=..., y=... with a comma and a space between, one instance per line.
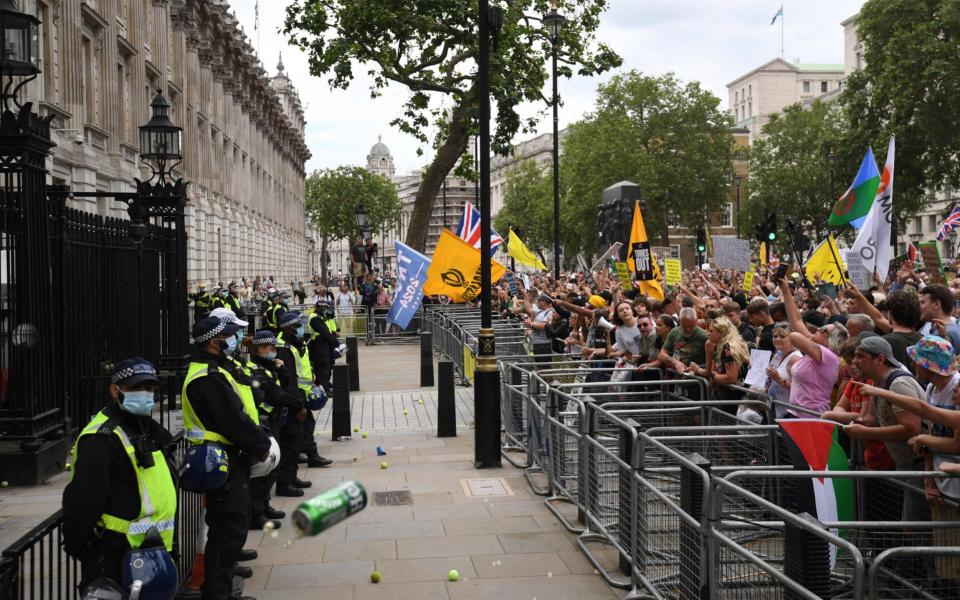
x=918, y=225
x=749, y=109
x=823, y=87
x=726, y=215
x=736, y=97
x=931, y=223
x=86, y=73
x=750, y=91
x=46, y=45
x=672, y=219
x=806, y=87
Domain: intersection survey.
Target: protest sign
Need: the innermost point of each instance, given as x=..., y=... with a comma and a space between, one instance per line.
x=674, y=271
x=931, y=261
x=857, y=272
x=624, y=273
x=731, y=253
x=757, y=374
x=748, y=279
x=611, y=251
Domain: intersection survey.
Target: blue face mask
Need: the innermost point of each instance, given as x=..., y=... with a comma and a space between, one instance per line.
x=137, y=403
x=271, y=355
x=301, y=331
x=239, y=338
x=231, y=345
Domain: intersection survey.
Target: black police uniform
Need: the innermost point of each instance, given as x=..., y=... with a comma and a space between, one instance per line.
x=321, y=348
x=233, y=303
x=104, y=482
x=220, y=410
x=308, y=443
x=277, y=388
x=202, y=304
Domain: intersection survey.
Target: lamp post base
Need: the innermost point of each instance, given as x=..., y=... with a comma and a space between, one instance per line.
x=486, y=404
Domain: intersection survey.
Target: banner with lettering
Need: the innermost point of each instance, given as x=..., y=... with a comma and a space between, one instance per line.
x=412, y=274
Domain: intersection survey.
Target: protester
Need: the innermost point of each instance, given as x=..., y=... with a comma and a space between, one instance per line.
x=685, y=344
x=727, y=359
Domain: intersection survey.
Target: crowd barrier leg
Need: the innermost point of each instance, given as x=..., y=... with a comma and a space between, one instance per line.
x=446, y=400
x=341, y=402
x=806, y=559
x=353, y=362
x=426, y=359
x=693, y=567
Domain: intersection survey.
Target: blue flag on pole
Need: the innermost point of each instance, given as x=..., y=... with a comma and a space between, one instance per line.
x=412, y=274
x=779, y=13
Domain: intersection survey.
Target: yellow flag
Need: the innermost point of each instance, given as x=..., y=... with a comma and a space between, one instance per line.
x=825, y=264
x=763, y=255
x=518, y=251
x=455, y=270
x=640, y=258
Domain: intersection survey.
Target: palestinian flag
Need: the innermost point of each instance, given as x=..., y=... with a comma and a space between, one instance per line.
x=815, y=448
x=855, y=203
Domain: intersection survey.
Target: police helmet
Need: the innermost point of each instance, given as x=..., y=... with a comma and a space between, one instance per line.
x=205, y=468
x=264, y=468
x=149, y=573
x=318, y=399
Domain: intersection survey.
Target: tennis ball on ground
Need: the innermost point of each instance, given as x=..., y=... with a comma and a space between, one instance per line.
x=384, y=465
x=356, y=429
x=68, y=467
x=4, y=484
x=420, y=401
x=453, y=575
x=404, y=411
x=375, y=577
x=363, y=435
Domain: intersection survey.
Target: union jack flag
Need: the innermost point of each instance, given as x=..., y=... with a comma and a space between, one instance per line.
x=952, y=222
x=469, y=229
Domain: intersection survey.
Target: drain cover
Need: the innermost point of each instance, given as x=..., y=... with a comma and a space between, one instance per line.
x=392, y=498
x=486, y=487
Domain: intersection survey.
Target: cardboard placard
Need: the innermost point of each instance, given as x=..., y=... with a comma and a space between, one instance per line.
x=611, y=251
x=748, y=279
x=674, y=271
x=582, y=264
x=931, y=261
x=624, y=273
x=857, y=273
x=511, y=282
x=731, y=253
x=642, y=260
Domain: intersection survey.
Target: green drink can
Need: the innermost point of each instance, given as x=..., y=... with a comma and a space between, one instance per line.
x=329, y=508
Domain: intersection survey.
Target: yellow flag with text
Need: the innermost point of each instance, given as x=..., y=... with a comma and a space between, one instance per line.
x=825, y=263
x=640, y=258
x=455, y=270
x=517, y=250
x=763, y=255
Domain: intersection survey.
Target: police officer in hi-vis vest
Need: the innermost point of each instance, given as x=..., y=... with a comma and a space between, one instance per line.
x=122, y=487
x=215, y=410
x=292, y=350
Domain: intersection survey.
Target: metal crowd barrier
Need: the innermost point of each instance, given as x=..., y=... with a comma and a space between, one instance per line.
x=698, y=503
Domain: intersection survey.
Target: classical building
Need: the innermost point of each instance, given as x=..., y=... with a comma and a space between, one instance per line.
x=243, y=131
x=775, y=85
x=538, y=149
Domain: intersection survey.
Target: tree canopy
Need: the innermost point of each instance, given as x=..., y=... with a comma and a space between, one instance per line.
x=909, y=86
x=790, y=168
x=430, y=47
x=670, y=138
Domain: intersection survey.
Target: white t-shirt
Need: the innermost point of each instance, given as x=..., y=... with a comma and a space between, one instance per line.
x=944, y=399
x=345, y=300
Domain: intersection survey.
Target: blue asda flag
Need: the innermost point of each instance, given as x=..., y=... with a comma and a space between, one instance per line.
x=412, y=274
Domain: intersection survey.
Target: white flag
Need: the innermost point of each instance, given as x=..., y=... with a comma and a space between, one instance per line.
x=873, y=240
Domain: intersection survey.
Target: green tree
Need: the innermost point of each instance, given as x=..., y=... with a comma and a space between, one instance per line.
x=430, y=47
x=333, y=196
x=670, y=138
x=909, y=87
x=790, y=168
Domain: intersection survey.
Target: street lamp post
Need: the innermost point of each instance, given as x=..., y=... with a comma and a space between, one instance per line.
x=362, y=220
x=486, y=392
x=553, y=21
x=736, y=181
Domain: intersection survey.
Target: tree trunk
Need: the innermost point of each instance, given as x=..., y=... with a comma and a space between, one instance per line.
x=323, y=260
x=447, y=157
x=665, y=226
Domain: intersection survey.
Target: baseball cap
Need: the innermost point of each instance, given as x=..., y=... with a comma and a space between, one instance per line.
x=597, y=301
x=878, y=346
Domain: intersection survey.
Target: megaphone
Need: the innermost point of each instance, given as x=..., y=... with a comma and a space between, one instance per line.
x=605, y=324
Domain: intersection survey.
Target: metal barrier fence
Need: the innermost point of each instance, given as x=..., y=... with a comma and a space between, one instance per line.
x=37, y=567
x=699, y=503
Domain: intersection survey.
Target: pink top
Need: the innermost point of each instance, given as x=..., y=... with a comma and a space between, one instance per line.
x=812, y=382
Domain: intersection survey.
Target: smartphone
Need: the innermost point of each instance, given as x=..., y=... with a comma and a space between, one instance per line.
x=781, y=272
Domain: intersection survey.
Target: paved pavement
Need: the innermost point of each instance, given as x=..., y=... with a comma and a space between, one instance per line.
x=504, y=547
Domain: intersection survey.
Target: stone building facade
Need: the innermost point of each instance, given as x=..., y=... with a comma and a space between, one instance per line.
x=243, y=131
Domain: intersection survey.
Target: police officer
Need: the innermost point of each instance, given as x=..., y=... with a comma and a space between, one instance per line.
x=214, y=411
x=202, y=302
x=276, y=310
x=282, y=409
x=122, y=484
x=321, y=343
x=232, y=299
x=219, y=298
x=292, y=350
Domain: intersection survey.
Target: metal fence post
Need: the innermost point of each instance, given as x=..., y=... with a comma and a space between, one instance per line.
x=341, y=401
x=353, y=363
x=806, y=558
x=693, y=568
x=446, y=401
x=426, y=359
x=627, y=497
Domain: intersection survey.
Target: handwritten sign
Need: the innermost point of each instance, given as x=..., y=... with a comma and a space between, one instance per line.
x=674, y=271
x=624, y=273
x=748, y=279
x=931, y=260
x=857, y=272
x=757, y=375
x=731, y=253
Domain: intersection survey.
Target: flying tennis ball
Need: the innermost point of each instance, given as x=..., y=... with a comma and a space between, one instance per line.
x=375, y=577
x=453, y=575
x=68, y=467
x=363, y=435
x=356, y=429
x=384, y=465
x=4, y=484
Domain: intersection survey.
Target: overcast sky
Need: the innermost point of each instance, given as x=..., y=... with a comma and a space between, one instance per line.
x=711, y=41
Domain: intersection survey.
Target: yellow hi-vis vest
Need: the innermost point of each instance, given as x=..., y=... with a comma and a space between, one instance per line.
x=271, y=316
x=331, y=324
x=245, y=391
x=304, y=368
x=193, y=429
x=158, y=494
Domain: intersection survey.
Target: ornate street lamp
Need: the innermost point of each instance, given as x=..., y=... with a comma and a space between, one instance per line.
x=19, y=49
x=553, y=21
x=362, y=220
x=160, y=140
